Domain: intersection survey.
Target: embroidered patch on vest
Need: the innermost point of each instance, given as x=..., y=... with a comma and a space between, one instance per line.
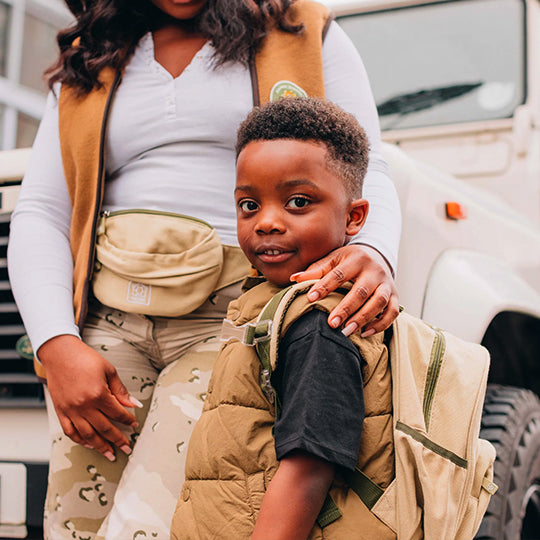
x=286, y=89
x=139, y=293
x=24, y=348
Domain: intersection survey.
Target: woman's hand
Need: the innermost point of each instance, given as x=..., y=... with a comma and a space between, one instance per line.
x=88, y=395
x=372, y=302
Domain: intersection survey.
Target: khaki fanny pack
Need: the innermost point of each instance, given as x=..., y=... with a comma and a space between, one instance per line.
x=161, y=264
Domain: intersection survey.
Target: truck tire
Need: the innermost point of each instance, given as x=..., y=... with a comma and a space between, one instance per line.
x=511, y=422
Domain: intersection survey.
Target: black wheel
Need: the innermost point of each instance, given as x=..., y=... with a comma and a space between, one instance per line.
x=511, y=421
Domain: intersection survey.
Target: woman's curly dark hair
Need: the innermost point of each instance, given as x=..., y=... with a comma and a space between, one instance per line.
x=109, y=30
x=313, y=120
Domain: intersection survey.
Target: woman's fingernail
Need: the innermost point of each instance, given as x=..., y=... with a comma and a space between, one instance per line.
x=88, y=446
x=294, y=277
x=136, y=402
x=110, y=456
x=351, y=328
x=313, y=295
x=368, y=333
x=126, y=449
x=335, y=322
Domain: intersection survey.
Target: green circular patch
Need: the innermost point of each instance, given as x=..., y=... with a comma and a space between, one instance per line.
x=24, y=348
x=286, y=89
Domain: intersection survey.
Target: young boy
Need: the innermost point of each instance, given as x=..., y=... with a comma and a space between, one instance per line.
x=300, y=168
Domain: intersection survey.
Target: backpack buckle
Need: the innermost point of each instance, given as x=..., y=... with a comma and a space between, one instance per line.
x=249, y=333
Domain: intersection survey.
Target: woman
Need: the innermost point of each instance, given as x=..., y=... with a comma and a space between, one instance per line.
x=147, y=96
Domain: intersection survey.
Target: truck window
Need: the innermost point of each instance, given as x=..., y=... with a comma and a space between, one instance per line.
x=445, y=62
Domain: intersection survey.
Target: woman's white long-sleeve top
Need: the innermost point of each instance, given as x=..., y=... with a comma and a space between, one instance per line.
x=170, y=146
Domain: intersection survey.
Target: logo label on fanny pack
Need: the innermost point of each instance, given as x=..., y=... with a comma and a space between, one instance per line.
x=139, y=293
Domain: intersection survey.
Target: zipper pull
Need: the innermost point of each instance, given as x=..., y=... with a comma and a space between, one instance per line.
x=101, y=223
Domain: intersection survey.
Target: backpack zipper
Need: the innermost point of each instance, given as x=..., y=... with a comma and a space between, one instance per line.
x=434, y=369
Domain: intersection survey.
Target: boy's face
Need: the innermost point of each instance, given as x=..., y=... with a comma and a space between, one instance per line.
x=291, y=208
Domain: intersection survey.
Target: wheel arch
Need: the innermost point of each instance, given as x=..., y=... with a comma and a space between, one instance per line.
x=482, y=299
x=513, y=340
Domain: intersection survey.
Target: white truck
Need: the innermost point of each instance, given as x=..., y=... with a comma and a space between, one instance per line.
x=457, y=85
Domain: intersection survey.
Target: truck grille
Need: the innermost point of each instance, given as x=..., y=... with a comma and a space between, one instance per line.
x=19, y=386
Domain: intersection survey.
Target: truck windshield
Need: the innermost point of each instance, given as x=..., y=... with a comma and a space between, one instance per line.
x=443, y=63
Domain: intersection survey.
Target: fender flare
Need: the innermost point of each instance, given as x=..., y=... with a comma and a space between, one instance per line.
x=466, y=290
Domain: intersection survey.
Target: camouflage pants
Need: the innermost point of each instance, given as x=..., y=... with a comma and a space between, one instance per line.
x=165, y=363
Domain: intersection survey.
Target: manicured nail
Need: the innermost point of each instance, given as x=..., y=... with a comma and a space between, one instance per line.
x=126, y=449
x=313, y=295
x=110, y=456
x=294, y=277
x=136, y=402
x=368, y=333
x=88, y=446
x=351, y=328
x=335, y=322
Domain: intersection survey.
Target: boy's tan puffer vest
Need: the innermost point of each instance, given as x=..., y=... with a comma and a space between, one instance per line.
x=83, y=122
x=227, y=474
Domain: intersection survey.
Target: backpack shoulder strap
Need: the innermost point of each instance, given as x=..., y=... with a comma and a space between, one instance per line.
x=278, y=311
x=274, y=311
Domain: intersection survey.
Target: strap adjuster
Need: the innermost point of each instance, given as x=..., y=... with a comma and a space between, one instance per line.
x=249, y=333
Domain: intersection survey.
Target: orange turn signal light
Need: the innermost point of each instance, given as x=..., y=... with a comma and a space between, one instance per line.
x=456, y=211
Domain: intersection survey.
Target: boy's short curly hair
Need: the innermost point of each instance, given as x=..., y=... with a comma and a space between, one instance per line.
x=313, y=119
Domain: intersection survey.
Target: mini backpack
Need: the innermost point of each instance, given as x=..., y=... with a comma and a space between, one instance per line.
x=443, y=470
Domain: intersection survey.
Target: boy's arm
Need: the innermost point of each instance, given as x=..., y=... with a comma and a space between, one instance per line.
x=318, y=380
x=294, y=498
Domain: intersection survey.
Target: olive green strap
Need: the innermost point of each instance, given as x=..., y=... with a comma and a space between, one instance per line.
x=263, y=346
x=329, y=512
x=368, y=491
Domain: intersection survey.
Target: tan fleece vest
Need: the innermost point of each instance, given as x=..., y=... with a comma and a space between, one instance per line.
x=228, y=472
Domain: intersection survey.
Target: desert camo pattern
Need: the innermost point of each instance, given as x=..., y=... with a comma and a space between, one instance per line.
x=165, y=363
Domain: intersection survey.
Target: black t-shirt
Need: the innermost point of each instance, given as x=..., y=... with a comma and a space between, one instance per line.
x=318, y=380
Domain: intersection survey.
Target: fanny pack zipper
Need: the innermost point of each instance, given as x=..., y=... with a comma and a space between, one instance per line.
x=107, y=214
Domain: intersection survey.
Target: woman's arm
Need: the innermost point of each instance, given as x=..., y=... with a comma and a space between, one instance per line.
x=294, y=498
x=39, y=255
x=347, y=84
x=371, y=259
x=85, y=388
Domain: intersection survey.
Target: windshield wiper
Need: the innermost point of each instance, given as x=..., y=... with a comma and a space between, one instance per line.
x=403, y=104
